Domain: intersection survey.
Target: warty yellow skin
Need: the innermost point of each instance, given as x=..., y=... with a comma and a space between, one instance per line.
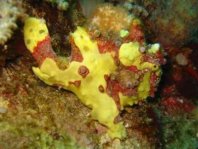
x=104, y=108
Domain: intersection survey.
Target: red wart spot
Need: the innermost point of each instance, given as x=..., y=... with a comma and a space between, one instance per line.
x=76, y=83
x=101, y=89
x=83, y=71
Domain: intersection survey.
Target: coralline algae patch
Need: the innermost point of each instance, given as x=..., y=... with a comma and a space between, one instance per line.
x=105, y=78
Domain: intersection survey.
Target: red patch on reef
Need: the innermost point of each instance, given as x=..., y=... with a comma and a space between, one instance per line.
x=174, y=105
x=43, y=50
x=75, y=52
x=184, y=78
x=192, y=72
x=169, y=90
x=153, y=81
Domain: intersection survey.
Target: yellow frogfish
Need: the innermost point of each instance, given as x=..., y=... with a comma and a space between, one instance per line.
x=105, y=77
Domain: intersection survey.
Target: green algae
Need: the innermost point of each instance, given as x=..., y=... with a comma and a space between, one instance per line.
x=32, y=138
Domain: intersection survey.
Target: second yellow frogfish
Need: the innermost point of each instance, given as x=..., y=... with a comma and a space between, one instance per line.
x=105, y=76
